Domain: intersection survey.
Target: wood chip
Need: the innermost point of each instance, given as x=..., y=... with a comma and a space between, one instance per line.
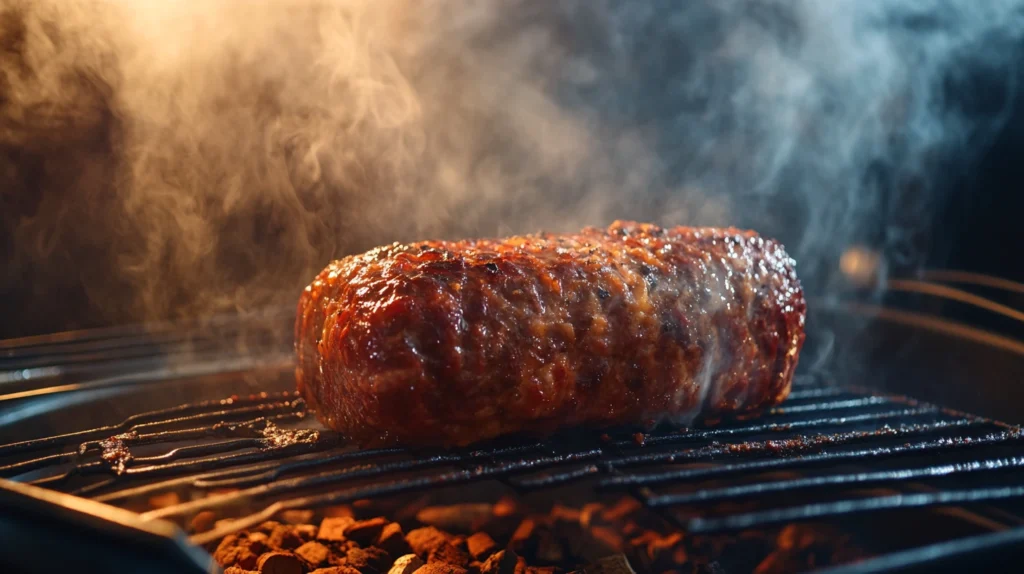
x=234, y=550
x=338, y=551
x=501, y=562
x=306, y=532
x=523, y=535
x=314, y=553
x=365, y=532
x=284, y=537
x=440, y=568
x=280, y=563
x=616, y=564
x=368, y=560
x=336, y=570
x=459, y=541
x=424, y=540
x=333, y=528
x=450, y=553
x=481, y=545
x=268, y=526
x=258, y=542
x=406, y=564
x=393, y=540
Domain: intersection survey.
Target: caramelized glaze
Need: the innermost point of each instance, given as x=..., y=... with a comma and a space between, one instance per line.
x=448, y=343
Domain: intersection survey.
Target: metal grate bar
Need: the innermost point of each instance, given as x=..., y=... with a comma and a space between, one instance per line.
x=246, y=475
x=816, y=393
x=188, y=412
x=215, y=445
x=793, y=446
x=832, y=405
x=841, y=480
x=568, y=475
x=689, y=435
x=243, y=428
x=690, y=474
x=818, y=511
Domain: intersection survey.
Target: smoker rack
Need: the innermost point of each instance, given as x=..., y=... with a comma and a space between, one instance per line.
x=822, y=455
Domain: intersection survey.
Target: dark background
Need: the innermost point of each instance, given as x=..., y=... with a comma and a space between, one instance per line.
x=981, y=227
x=975, y=223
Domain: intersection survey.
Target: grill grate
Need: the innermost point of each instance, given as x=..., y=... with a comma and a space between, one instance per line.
x=827, y=453
x=262, y=446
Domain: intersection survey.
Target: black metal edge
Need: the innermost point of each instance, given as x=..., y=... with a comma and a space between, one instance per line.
x=48, y=531
x=994, y=552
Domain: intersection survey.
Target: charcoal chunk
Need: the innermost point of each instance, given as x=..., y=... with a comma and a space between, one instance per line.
x=234, y=550
x=615, y=564
x=333, y=528
x=449, y=553
x=368, y=560
x=268, y=526
x=523, y=539
x=335, y=570
x=258, y=543
x=481, y=545
x=440, y=568
x=284, y=537
x=424, y=540
x=306, y=532
x=280, y=563
x=406, y=564
x=392, y=539
x=313, y=553
x=365, y=532
x=501, y=562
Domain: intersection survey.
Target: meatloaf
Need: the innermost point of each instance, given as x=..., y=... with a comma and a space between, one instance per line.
x=446, y=343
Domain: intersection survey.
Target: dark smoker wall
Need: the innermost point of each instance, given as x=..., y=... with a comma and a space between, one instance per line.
x=75, y=252
x=981, y=227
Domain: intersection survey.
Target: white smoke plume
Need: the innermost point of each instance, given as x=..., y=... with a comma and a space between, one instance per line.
x=169, y=159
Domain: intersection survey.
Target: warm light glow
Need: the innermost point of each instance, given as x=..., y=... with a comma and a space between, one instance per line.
x=860, y=265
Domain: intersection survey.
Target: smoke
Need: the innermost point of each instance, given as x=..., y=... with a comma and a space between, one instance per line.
x=169, y=159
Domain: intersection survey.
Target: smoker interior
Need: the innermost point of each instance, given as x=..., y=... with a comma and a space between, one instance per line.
x=913, y=485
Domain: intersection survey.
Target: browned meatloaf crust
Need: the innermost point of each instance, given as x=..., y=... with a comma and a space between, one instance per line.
x=449, y=343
